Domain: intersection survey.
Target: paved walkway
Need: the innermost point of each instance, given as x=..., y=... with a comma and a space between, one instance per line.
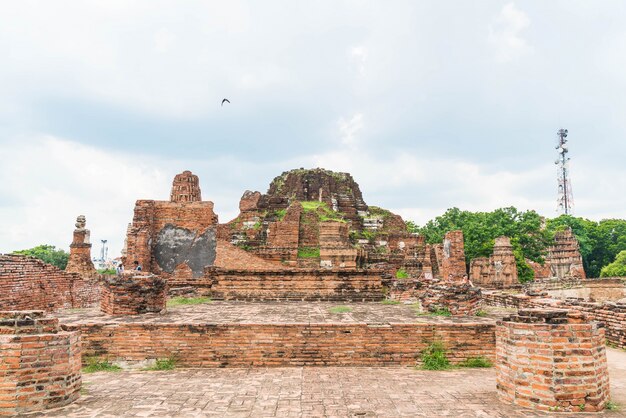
x=309, y=392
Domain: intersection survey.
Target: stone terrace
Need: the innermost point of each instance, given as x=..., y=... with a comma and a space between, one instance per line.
x=225, y=312
x=310, y=392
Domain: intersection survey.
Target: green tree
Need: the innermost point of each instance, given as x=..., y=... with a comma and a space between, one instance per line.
x=617, y=268
x=480, y=229
x=48, y=254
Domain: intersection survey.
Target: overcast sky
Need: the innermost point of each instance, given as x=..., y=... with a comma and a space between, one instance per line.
x=428, y=106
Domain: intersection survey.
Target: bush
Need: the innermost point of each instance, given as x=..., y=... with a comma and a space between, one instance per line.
x=440, y=311
x=434, y=357
x=95, y=364
x=402, y=274
x=163, y=364
x=308, y=252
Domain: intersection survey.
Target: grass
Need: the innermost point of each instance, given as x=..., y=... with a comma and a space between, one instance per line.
x=476, y=362
x=340, y=309
x=402, y=274
x=481, y=312
x=390, y=302
x=179, y=301
x=437, y=312
x=280, y=214
x=434, y=357
x=308, y=252
x=611, y=406
x=163, y=364
x=324, y=213
x=108, y=272
x=95, y=364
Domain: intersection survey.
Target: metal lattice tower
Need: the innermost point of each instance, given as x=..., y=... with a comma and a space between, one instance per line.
x=565, y=199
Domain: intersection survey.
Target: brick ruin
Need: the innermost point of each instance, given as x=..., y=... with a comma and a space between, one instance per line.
x=497, y=271
x=40, y=365
x=551, y=360
x=175, y=237
x=80, y=251
x=133, y=294
x=28, y=283
x=563, y=259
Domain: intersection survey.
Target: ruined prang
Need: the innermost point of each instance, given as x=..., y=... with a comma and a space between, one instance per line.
x=80, y=251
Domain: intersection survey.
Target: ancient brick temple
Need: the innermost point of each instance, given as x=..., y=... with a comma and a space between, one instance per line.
x=453, y=291
x=80, y=251
x=497, y=271
x=552, y=360
x=40, y=365
x=175, y=237
x=563, y=259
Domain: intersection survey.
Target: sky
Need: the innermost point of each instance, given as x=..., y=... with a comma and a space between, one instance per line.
x=429, y=105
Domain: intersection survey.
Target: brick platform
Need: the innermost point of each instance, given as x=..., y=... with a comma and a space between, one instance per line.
x=39, y=364
x=133, y=295
x=228, y=334
x=551, y=360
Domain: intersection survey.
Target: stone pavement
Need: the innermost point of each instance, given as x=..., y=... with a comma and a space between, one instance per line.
x=224, y=312
x=309, y=392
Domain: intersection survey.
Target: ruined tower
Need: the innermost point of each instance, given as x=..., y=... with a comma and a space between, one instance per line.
x=80, y=251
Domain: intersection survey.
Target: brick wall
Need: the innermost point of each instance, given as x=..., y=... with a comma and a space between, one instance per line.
x=243, y=345
x=133, y=295
x=611, y=314
x=551, y=360
x=28, y=283
x=296, y=284
x=39, y=364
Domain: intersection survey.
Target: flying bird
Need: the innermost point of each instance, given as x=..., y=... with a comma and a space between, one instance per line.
x=225, y=100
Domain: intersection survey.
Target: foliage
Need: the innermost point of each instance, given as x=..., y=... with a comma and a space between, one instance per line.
x=412, y=227
x=163, y=364
x=323, y=211
x=611, y=406
x=390, y=302
x=434, y=357
x=94, y=364
x=48, y=254
x=481, y=312
x=476, y=362
x=402, y=274
x=108, y=272
x=617, y=268
x=308, y=252
x=377, y=212
x=440, y=312
x=178, y=301
x=280, y=214
x=340, y=309
x=480, y=229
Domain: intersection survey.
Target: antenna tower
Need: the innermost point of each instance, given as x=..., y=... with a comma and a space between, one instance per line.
x=565, y=199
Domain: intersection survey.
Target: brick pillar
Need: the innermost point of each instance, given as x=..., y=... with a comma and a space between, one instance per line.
x=80, y=251
x=133, y=295
x=39, y=364
x=551, y=360
x=453, y=257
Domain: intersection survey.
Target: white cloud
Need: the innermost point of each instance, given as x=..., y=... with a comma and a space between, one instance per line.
x=358, y=54
x=505, y=34
x=350, y=128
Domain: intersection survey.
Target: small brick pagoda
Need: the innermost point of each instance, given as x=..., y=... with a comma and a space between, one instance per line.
x=497, y=271
x=80, y=251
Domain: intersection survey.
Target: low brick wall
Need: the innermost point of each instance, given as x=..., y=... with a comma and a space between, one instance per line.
x=283, y=345
x=296, y=284
x=133, y=295
x=551, y=360
x=39, y=364
x=27, y=283
x=611, y=314
x=458, y=298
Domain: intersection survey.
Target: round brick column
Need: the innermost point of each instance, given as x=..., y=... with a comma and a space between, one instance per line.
x=134, y=295
x=39, y=364
x=551, y=360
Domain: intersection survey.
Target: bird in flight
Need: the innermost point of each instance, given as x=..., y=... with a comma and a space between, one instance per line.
x=225, y=100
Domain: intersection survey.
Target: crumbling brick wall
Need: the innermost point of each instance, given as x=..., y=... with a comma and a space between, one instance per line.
x=296, y=284
x=40, y=365
x=28, y=283
x=497, y=271
x=176, y=237
x=133, y=295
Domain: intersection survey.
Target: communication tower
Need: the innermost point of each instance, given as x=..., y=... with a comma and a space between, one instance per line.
x=565, y=199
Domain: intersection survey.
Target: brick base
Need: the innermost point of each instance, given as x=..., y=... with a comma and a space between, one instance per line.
x=551, y=360
x=39, y=365
x=133, y=295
